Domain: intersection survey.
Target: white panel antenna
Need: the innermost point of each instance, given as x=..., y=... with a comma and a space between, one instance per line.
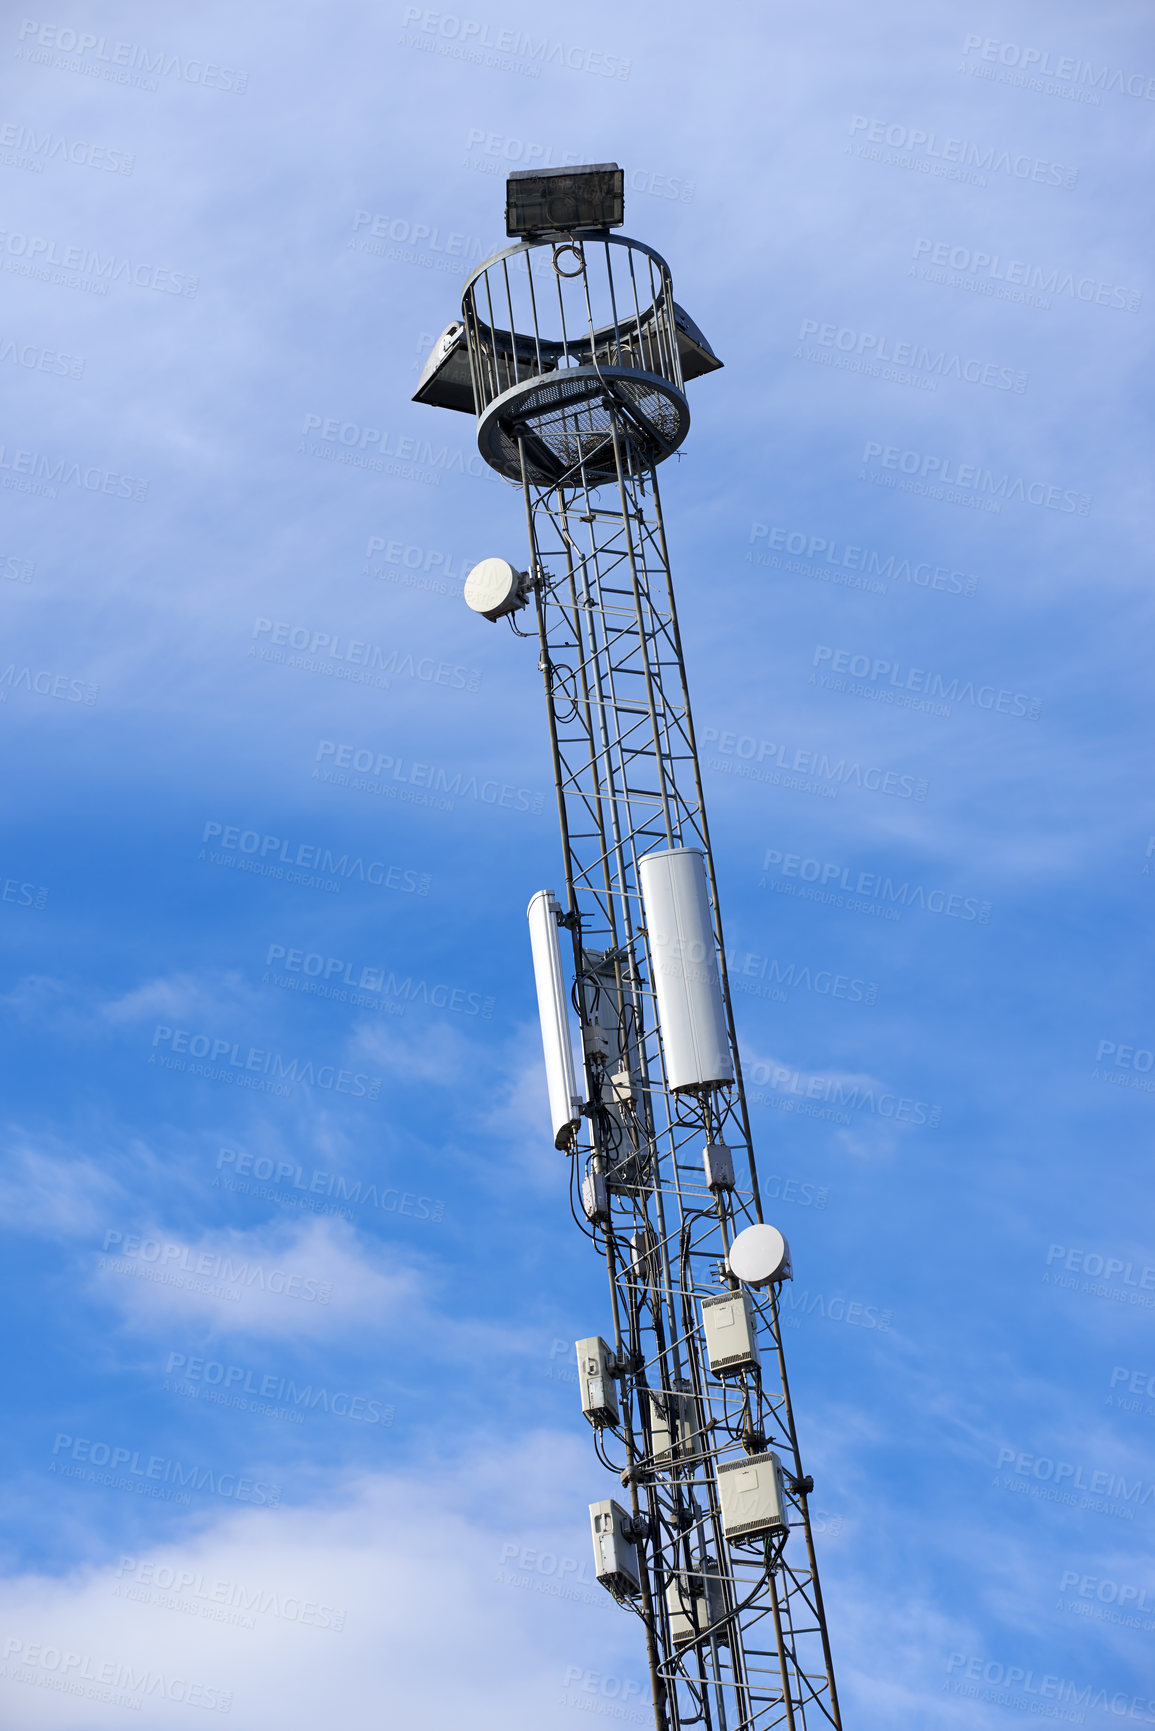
x=553, y=1012
x=687, y=984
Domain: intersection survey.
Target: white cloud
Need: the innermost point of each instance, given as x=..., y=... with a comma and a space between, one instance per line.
x=180, y=998
x=440, y=1621
x=52, y=1193
x=313, y=1277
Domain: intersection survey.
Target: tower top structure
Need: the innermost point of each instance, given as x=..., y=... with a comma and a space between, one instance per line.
x=573, y=355
x=562, y=329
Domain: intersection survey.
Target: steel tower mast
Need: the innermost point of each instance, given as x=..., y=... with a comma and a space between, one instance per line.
x=573, y=355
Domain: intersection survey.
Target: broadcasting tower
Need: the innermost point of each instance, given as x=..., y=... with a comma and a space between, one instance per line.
x=573, y=355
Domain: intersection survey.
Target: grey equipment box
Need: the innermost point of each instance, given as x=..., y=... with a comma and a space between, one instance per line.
x=673, y=1425
x=753, y=1495
x=595, y=1198
x=599, y=1396
x=719, y=1164
x=615, y=1557
x=696, y=1604
x=730, y=1339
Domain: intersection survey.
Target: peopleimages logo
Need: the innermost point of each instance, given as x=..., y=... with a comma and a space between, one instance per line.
x=868, y=347
x=972, y=478
x=388, y=1198
x=1067, y=67
x=471, y=36
x=241, y=1380
x=854, y=1312
x=416, y=562
x=1139, y=1382
x=263, y=1063
x=1077, y=1261
x=1125, y=1061
x=332, y=976
x=813, y=554
x=1020, y=281
x=805, y=768
x=163, y=1470
x=268, y=855
x=925, y=681
x=1023, y=1682
x=1102, y=1592
x=919, y=143
x=40, y=360
x=42, y=147
x=45, y=683
x=37, y=252
x=33, y=472
x=117, y=61
x=458, y=252
x=220, y=1600
x=376, y=449
x=823, y=880
x=381, y=773
x=781, y=976
x=23, y=895
x=1064, y=1477
x=214, y=1265
x=113, y=1682
x=325, y=651
x=832, y=1091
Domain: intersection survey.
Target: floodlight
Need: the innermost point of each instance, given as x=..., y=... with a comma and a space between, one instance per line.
x=553, y=200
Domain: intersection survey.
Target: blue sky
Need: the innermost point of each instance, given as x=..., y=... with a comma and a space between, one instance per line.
x=910, y=535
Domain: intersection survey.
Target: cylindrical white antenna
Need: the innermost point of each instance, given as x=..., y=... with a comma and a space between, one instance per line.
x=691, y=1016
x=553, y=1011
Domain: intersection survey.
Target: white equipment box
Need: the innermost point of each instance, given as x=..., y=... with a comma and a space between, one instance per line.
x=730, y=1338
x=599, y=1396
x=753, y=1495
x=615, y=1558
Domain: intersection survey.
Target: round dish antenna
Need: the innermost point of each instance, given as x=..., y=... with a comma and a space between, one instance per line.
x=495, y=588
x=760, y=1255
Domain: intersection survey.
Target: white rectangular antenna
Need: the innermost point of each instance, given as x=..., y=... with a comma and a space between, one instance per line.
x=553, y=1011
x=687, y=984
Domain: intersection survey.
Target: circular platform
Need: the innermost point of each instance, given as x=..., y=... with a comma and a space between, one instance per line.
x=564, y=419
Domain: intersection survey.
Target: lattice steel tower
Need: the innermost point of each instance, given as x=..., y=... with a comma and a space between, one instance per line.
x=573, y=356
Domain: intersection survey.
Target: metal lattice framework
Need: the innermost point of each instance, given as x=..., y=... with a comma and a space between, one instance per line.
x=735, y=1629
